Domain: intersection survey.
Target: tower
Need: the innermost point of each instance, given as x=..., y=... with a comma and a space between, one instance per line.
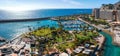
x=96, y=13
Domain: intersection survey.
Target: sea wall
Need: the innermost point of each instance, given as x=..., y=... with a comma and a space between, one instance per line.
x=22, y=20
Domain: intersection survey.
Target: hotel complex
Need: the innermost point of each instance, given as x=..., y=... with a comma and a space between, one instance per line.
x=111, y=14
x=108, y=11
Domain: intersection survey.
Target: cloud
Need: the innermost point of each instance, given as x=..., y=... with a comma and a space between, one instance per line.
x=72, y=2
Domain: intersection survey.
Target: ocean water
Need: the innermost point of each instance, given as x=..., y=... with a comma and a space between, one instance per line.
x=42, y=13
x=13, y=29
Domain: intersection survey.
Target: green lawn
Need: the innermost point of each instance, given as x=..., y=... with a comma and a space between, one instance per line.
x=64, y=39
x=59, y=39
x=86, y=36
x=42, y=32
x=66, y=45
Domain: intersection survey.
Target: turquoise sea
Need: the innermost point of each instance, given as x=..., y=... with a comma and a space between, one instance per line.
x=109, y=48
x=42, y=13
x=13, y=29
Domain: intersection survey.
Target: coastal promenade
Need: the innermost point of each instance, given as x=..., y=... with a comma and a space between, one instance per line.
x=115, y=36
x=90, y=24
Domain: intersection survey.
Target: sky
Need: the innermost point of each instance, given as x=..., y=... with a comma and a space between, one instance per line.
x=17, y=5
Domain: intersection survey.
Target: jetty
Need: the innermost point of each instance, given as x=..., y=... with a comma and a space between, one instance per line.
x=22, y=20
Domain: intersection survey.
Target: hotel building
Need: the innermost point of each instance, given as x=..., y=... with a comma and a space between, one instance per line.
x=108, y=11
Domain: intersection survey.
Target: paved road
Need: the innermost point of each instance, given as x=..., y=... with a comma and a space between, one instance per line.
x=90, y=23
